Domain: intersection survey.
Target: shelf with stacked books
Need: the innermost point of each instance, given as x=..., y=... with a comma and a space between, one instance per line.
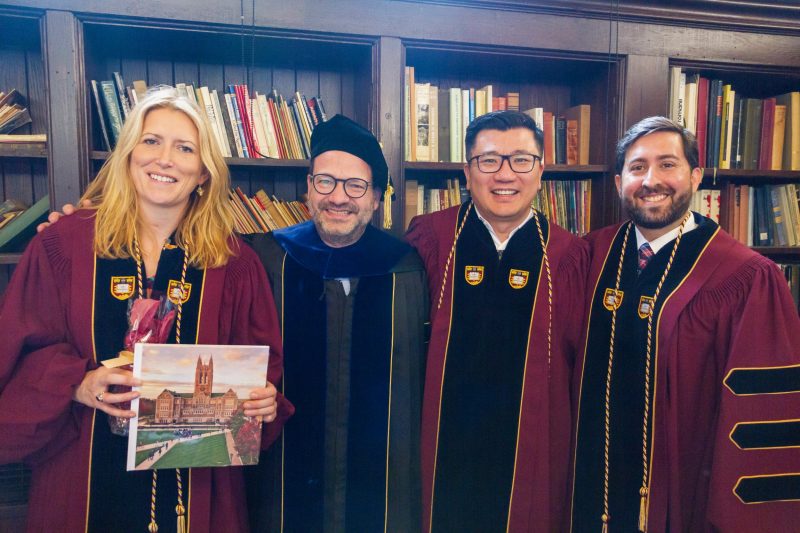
x=747, y=122
x=571, y=97
x=744, y=116
x=23, y=124
x=262, y=108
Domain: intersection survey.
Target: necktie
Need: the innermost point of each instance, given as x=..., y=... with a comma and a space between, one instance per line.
x=645, y=254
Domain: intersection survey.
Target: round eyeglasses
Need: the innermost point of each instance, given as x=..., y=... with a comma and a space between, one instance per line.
x=520, y=163
x=353, y=187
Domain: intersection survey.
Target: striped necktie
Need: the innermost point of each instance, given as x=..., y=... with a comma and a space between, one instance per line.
x=645, y=254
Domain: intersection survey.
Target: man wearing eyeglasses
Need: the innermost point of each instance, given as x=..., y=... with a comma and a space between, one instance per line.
x=503, y=283
x=352, y=301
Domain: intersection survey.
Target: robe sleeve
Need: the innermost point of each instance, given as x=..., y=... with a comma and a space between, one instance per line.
x=39, y=367
x=422, y=236
x=569, y=281
x=252, y=319
x=760, y=332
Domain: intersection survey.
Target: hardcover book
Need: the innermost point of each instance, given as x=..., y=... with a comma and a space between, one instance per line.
x=190, y=410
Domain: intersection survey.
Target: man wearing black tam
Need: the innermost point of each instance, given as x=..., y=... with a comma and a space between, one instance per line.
x=352, y=302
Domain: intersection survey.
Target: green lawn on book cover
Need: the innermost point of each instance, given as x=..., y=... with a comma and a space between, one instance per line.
x=206, y=451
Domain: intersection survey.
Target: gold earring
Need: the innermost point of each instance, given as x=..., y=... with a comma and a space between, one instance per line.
x=199, y=190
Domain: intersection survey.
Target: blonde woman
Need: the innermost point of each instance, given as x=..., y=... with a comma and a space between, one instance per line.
x=160, y=220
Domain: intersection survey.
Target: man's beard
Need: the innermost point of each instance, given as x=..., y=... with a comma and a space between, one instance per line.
x=339, y=234
x=644, y=219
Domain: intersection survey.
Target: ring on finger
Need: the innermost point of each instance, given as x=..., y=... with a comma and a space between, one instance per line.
x=99, y=396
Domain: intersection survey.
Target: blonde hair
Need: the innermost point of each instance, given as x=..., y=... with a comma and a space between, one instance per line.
x=206, y=228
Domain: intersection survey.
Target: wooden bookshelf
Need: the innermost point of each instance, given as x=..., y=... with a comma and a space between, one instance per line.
x=755, y=176
x=779, y=254
x=337, y=70
x=23, y=166
x=353, y=53
x=33, y=150
x=554, y=81
x=748, y=81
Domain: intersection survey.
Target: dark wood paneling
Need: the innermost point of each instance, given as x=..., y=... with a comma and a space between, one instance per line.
x=389, y=69
x=67, y=142
x=464, y=24
x=646, y=88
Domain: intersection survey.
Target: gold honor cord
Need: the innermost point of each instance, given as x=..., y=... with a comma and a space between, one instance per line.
x=546, y=266
x=549, y=291
x=180, y=510
x=643, y=490
x=450, y=255
x=547, y=271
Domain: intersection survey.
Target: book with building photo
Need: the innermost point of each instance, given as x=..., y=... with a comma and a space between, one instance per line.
x=190, y=413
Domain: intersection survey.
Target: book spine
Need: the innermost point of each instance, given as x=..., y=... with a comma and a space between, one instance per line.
x=223, y=134
x=248, y=103
x=113, y=109
x=123, y=97
x=244, y=119
x=100, y=116
x=234, y=127
x=767, y=125
x=702, y=119
x=780, y=227
x=239, y=125
x=715, y=122
x=276, y=120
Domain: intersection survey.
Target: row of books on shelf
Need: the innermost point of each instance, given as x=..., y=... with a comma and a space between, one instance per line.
x=244, y=125
x=565, y=202
x=436, y=121
x=763, y=215
x=262, y=214
x=422, y=199
x=13, y=111
x=792, y=274
x=734, y=131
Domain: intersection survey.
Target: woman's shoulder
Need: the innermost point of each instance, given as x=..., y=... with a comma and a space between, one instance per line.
x=244, y=259
x=78, y=225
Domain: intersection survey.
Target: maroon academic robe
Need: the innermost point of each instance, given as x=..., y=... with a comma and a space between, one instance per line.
x=534, y=491
x=724, y=432
x=46, y=320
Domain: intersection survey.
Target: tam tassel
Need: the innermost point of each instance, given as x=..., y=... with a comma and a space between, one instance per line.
x=180, y=511
x=604, y=518
x=387, y=205
x=643, y=510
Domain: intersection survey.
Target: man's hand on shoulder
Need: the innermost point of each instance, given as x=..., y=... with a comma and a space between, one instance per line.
x=53, y=217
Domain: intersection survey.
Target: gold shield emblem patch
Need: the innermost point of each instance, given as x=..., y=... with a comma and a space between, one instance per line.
x=473, y=274
x=122, y=287
x=645, y=306
x=174, y=291
x=612, y=299
x=518, y=278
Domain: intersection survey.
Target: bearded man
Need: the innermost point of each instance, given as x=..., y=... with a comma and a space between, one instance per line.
x=688, y=391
